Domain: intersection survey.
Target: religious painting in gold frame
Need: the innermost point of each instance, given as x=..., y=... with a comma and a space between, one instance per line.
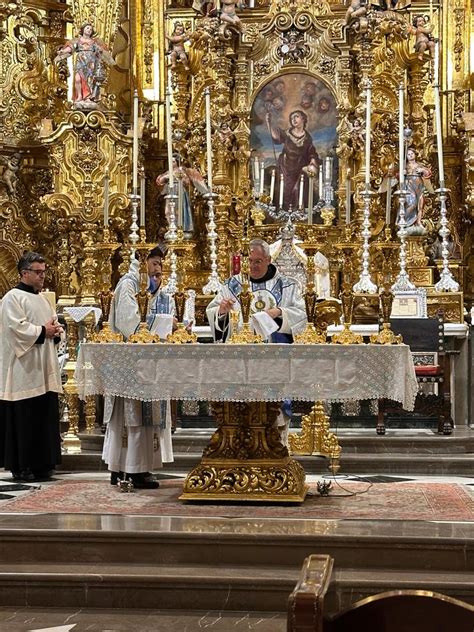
x=293, y=126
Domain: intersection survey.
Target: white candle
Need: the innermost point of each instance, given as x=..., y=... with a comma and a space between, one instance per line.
x=436, y=65
x=328, y=174
x=282, y=184
x=320, y=182
x=180, y=203
x=388, y=206
x=368, y=134
x=106, y=198
x=256, y=174
x=142, y=198
x=348, y=198
x=310, y=199
x=169, y=140
x=135, y=143
x=262, y=176
x=300, y=199
x=439, y=134
x=401, y=142
x=272, y=186
x=251, y=4
x=207, y=94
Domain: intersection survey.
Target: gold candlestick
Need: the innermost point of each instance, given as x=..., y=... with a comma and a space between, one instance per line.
x=386, y=335
x=245, y=335
x=346, y=336
x=310, y=335
x=143, y=335
x=181, y=335
x=106, y=334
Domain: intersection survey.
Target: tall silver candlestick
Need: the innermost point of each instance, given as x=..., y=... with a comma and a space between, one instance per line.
x=134, y=235
x=365, y=283
x=402, y=283
x=446, y=282
x=172, y=285
x=213, y=283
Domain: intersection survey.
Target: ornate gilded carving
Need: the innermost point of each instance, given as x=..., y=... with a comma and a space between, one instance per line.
x=315, y=437
x=245, y=458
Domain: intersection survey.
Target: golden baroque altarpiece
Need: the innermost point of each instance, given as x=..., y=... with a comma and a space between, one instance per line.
x=66, y=165
x=55, y=156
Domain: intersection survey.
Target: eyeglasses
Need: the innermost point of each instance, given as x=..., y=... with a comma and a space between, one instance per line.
x=38, y=272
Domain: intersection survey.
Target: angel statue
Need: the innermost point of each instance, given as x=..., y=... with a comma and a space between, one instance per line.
x=423, y=36
x=89, y=72
x=228, y=13
x=9, y=177
x=185, y=178
x=176, y=41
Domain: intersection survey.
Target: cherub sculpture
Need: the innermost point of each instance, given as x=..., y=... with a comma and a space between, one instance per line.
x=228, y=13
x=177, y=40
x=89, y=72
x=423, y=38
x=356, y=9
x=9, y=176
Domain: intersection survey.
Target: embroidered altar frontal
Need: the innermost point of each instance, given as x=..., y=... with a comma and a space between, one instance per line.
x=247, y=373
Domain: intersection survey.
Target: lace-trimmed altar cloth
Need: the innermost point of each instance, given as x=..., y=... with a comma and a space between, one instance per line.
x=217, y=372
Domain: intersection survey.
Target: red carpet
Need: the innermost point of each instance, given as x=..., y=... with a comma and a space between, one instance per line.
x=383, y=501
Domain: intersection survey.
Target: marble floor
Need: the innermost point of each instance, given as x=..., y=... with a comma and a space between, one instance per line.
x=36, y=619
x=91, y=620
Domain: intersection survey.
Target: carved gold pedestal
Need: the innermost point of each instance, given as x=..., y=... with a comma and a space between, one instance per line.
x=245, y=459
x=315, y=438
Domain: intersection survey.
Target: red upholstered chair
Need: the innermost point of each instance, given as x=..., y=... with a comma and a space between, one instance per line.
x=425, y=336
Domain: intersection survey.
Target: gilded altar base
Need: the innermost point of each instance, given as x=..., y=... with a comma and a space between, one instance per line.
x=245, y=459
x=281, y=480
x=315, y=438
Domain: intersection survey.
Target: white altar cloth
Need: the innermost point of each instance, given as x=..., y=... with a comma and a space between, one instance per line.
x=269, y=372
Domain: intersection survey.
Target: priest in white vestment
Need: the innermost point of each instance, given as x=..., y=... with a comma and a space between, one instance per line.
x=30, y=378
x=277, y=308
x=138, y=434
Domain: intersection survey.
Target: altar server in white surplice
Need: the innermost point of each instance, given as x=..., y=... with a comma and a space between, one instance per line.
x=138, y=434
x=277, y=307
x=30, y=378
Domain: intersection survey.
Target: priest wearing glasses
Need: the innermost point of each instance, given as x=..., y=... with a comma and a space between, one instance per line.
x=30, y=378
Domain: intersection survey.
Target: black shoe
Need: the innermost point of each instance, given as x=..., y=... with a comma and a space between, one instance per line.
x=143, y=481
x=43, y=475
x=115, y=477
x=25, y=476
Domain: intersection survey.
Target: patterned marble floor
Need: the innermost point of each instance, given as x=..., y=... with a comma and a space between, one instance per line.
x=91, y=620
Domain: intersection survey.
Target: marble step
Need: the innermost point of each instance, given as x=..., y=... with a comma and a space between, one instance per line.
x=146, y=540
x=380, y=463
x=203, y=587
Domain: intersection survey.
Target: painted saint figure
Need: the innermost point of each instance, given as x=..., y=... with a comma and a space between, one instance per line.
x=297, y=156
x=417, y=180
x=89, y=73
